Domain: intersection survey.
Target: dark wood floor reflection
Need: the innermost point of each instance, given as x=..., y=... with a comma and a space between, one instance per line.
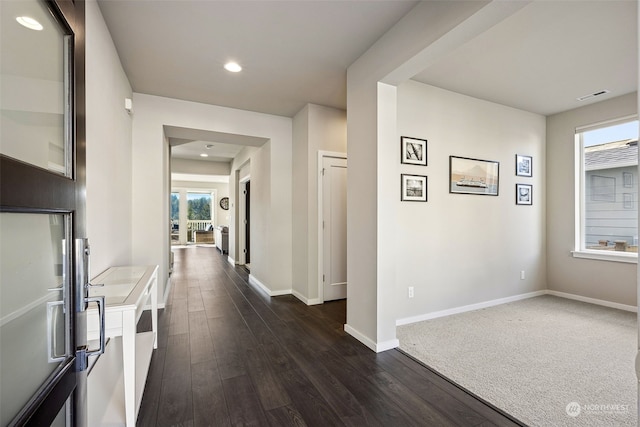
x=230, y=355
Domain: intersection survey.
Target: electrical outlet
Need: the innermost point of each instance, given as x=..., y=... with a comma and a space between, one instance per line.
x=522, y=275
x=410, y=292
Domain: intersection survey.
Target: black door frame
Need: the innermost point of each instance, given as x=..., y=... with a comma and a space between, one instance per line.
x=247, y=224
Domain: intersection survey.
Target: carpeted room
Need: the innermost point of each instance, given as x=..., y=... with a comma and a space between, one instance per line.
x=470, y=252
x=566, y=358
x=536, y=358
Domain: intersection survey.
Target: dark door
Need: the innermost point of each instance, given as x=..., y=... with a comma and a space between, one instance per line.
x=42, y=211
x=247, y=245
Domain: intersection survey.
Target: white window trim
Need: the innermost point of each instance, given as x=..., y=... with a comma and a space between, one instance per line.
x=578, y=252
x=625, y=257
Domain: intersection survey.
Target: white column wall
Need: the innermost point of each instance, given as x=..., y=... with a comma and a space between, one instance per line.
x=425, y=34
x=109, y=142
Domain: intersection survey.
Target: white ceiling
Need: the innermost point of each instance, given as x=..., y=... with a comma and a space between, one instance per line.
x=187, y=143
x=292, y=52
x=192, y=150
x=296, y=52
x=546, y=55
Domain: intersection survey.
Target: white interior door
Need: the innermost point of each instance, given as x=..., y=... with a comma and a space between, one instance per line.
x=334, y=207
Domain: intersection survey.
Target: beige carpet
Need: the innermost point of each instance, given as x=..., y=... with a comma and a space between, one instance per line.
x=547, y=361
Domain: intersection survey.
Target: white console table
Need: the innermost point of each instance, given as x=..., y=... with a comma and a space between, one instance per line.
x=127, y=290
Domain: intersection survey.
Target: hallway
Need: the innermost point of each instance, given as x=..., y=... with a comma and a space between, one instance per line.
x=230, y=355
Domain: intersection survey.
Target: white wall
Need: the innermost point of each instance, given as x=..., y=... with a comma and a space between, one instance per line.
x=151, y=181
x=300, y=204
x=200, y=167
x=315, y=128
x=240, y=168
x=420, y=37
x=604, y=280
x=459, y=249
x=109, y=141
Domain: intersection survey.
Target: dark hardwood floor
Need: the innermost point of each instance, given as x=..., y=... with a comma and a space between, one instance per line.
x=230, y=355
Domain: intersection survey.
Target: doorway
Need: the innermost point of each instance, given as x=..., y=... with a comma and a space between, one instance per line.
x=247, y=224
x=244, y=217
x=332, y=222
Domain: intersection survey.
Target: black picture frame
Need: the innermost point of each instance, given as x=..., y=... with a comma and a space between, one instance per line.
x=524, y=165
x=413, y=151
x=413, y=188
x=473, y=176
x=524, y=194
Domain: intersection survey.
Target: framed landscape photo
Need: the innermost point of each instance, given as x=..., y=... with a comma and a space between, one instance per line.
x=413, y=188
x=413, y=151
x=524, y=194
x=473, y=176
x=524, y=165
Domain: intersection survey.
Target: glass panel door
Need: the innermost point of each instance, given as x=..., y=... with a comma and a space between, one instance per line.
x=34, y=84
x=35, y=306
x=42, y=212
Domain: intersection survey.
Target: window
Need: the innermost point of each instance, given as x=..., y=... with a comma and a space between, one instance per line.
x=199, y=206
x=199, y=212
x=175, y=217
x=607, y=191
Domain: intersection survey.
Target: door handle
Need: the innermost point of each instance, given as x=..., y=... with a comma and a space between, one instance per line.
x=99, y=300
x=52, y=333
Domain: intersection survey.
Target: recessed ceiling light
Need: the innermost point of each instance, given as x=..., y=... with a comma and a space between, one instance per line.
x=234, y=67
x=204, y=155
x=29, y=22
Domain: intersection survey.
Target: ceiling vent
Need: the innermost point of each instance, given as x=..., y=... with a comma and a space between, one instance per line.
x=592, y=95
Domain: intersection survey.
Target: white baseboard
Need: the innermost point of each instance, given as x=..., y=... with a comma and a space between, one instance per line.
x=594, y=301
x=254, y=281
x=486, y=304
x=231, y=261
x=377, y=347
x=465, y=308
x=312, y=301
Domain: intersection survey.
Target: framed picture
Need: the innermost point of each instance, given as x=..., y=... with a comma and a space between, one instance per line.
x=524, y=165
x=524, y=194
x=473, y=176
x=413, y=188
x=413, y=151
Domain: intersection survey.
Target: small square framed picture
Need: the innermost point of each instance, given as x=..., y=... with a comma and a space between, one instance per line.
x=413, y=151
x=524, y=194
x=413, y=188
x=524, y=165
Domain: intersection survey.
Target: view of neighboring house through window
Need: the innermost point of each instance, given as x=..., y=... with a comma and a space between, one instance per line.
x=608, y=180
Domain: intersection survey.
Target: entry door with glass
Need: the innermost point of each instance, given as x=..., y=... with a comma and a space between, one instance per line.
x=42, y=171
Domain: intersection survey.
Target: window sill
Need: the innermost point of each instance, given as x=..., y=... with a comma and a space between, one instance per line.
x=629, y=258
